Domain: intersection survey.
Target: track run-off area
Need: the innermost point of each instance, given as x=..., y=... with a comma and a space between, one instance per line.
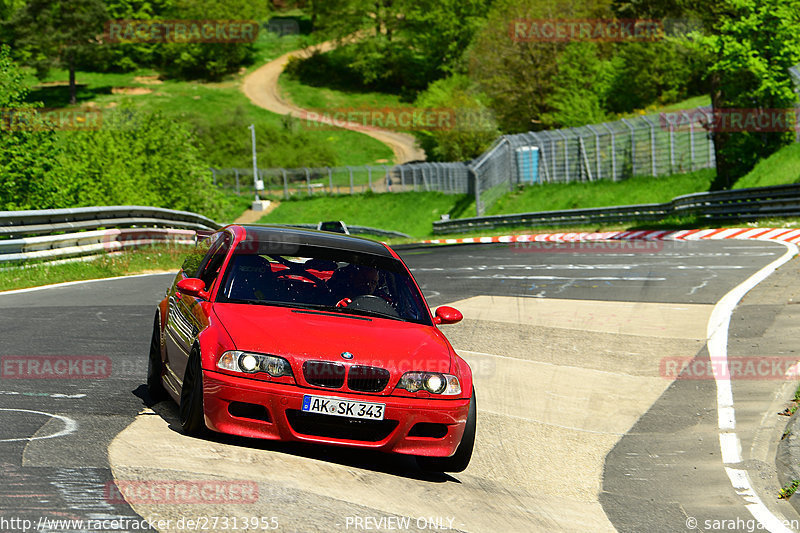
x=582, y=424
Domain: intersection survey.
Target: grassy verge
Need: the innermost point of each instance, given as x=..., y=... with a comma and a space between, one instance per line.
x=148, y=259
x=409, y=212
x=639, y=190
x=781, y=167
x=311, y=97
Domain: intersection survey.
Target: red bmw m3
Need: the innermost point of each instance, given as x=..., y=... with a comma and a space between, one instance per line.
x=300, y=335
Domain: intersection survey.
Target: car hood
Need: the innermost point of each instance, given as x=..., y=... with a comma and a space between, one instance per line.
x=301, y=335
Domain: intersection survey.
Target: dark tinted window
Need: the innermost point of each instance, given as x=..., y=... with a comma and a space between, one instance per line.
x=323, y=278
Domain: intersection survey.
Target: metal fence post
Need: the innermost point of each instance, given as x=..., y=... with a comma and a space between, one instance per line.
x=566, y=155
x=351, y=178
x=691, y=140
x=369, y=177
x=308, y=180
x=285, y=184
x=402, y=179
x=474, y=175
x=653, y=166
x=613, y=153
x=213, y=176
x=330, y=180
x=598, y=172
x=633, y=146
x=237, y=180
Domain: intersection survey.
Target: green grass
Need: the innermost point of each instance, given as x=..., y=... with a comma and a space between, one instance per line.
x=690, y=103
x=638, y=190
x=309, y=97
x=780, y=168
x=409, y=212
x=148, y=259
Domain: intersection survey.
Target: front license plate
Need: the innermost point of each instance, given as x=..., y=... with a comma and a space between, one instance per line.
x=326, y=405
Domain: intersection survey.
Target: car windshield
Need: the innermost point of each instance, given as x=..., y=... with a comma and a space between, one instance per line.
x=322, y=278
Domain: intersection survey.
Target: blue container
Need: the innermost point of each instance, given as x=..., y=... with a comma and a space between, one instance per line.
x=528, y=164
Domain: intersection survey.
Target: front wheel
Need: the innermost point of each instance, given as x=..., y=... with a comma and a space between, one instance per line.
x=191, y=406
x=459, y=461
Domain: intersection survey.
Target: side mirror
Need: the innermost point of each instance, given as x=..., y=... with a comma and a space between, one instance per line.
x=192, y=287
x=447, y=315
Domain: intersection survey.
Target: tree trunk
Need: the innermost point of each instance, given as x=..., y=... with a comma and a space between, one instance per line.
x=725, y=170
x=72, y=89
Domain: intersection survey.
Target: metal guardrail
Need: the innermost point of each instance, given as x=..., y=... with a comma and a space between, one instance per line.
x=50, y=234
x=739, y=204
x=48, y=221
x=53, y=234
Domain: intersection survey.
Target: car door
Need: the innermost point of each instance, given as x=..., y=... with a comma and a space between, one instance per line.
x=186, y=317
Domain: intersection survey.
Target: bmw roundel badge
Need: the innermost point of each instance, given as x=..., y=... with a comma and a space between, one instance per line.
x=347, y=355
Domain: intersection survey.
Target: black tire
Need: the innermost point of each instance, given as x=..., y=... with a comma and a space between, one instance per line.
x=191, y=406
x=155, y=366
x=459, y=461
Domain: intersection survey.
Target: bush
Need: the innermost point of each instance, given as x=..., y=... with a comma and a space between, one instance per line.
x=474, y=126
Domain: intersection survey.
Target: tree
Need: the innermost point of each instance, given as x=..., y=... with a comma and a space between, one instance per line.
x=519, y=77
x=751, y=45
x=471, y=129
x=403, y=44
x=57, y=33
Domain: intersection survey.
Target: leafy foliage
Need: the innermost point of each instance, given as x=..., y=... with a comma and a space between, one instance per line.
x=474, y=128
x=750, y=45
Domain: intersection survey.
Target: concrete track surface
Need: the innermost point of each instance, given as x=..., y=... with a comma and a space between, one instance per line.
x=580, y=425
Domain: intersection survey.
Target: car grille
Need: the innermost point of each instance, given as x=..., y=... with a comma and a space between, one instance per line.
x=367, y=378
x=322, y=374
x=337, y=427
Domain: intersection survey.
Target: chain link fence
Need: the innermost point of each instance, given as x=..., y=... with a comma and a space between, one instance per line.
x=648, y=145
x=451, y=178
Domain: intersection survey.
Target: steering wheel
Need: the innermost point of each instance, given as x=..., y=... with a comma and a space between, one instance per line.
x=369, y=302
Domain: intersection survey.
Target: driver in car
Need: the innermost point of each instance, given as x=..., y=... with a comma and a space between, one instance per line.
x=352, y=281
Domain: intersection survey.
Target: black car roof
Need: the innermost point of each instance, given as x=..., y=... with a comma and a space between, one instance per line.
x=308, y=237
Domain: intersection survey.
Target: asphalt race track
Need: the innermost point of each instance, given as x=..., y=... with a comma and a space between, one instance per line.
x=581, y=424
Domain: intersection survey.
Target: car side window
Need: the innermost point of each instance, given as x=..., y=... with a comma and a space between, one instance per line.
x=193, y=261
x=215, y=257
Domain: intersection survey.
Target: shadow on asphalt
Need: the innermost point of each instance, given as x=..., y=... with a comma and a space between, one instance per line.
x=393, y=464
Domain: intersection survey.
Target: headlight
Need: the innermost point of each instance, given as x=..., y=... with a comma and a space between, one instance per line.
x=251, y=363
x=433, y=382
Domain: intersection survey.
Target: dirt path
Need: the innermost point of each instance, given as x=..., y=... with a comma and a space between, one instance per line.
x=261, y=87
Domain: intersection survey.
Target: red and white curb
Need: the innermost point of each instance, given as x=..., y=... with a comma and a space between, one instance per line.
x=772, y=234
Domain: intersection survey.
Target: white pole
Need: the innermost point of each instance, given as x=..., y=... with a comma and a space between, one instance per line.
x=252, y=129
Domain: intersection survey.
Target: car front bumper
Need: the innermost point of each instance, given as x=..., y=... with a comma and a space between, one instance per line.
x=285, y=420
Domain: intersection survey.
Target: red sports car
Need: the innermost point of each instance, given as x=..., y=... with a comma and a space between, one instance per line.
x=301, y=335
